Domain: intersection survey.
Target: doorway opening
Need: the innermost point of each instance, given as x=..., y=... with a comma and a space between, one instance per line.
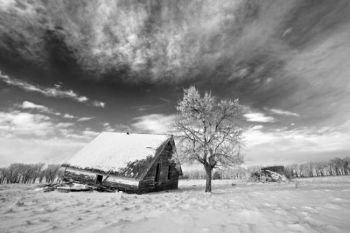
x=169, y=172
x=156, y=178
x=99, y=179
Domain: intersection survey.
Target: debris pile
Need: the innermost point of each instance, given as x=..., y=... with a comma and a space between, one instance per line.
x=74, y=187
x=265, y=175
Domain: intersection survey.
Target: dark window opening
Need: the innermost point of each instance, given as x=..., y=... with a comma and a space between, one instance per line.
x=156, y=178
x=169, y=172
x=99, y=179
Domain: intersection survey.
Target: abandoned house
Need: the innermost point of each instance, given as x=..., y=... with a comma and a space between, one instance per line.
x=135, y=163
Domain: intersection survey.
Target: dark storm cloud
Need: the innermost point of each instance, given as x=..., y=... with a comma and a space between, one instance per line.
x=154, y=40
x=248, y=43
x=261, y=50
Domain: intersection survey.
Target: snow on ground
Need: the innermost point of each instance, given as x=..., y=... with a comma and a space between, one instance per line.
x=305, y=205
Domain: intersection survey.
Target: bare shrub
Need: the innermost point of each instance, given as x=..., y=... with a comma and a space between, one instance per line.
x=29, y=173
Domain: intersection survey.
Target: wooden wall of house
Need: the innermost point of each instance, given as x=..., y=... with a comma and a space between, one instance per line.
x=89, y=178
x=168, y=174
x=79, y=176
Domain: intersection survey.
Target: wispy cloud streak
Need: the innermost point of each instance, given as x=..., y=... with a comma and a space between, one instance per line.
x=154, y=123
x=50, y=92
x=283, y=112
x=258, y=117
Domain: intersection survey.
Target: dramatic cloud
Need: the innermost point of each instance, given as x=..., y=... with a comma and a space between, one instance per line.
x=273, y=53
x=50, y=92
x=30, y=105
x=107, y=127
x=22, y=123
x=154, y=123
x=286, y=146
x=283, y=112
x=27, y=105
x=29, y=150
x=68, y=116
x=28, y=137
x=98, y=104
x=258, y=117
x=155, y=40
x=19, y=123
x=85, y=118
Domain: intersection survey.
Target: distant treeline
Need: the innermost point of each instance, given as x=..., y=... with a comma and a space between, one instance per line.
x=222, y=173
x=41, y=173
x=30, y=173
x=333, y=167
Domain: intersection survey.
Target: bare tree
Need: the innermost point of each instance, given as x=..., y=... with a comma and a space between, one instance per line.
x=51, y=172
x=2, y=175
x=347, y=165
x=209, y=131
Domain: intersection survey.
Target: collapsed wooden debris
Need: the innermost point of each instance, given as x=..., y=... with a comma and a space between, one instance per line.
x=75, y=187
x=265, y=175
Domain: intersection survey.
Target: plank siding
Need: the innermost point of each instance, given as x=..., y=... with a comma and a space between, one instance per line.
x=89, y=178
x=148, y=183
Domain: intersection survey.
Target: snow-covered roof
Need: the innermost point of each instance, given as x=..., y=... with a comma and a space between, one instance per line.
x=113, y=151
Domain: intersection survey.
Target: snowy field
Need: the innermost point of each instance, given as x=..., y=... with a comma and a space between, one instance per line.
x=306, y=205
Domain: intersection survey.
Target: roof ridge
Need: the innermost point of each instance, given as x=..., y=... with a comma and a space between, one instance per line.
x=131, y=133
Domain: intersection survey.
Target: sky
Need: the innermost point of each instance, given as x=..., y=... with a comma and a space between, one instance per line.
x=72, y=69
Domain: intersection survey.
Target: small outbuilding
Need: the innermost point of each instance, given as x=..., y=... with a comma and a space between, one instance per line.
x=135, y=163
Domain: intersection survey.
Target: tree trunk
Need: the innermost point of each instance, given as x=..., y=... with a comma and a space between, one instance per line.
x=208, y=171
